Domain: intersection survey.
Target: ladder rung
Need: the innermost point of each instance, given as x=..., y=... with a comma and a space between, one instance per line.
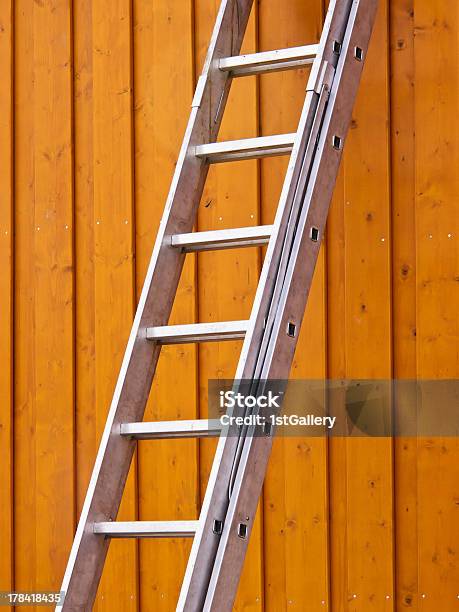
x=147, y=529
x=198, y=332
x=223, y=239
x=269, y=61
x=200, y=428
x=247, y=148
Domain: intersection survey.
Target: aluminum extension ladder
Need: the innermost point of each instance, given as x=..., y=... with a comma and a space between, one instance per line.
x=222, y=532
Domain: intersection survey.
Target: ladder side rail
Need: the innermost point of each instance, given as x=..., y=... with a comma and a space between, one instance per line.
x=256, y=451
x=334, y=30
x=115, y=452
x=291, y=229
x=215, y=501
x=296, y=207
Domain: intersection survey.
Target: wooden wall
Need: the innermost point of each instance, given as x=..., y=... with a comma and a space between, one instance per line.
x=94, y=98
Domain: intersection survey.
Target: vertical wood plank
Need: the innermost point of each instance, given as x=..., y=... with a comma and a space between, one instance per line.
x=402, y=175
x=24, y=298
x=53, y=270
x=168, y=470
x=404, y=291
x=85, y=389
x=336, y=364
x=44, y=357
x=227, y=280
x=437, y=264
x=295, y=499
x=7, y=293
x=361, y=481
x=113, y=255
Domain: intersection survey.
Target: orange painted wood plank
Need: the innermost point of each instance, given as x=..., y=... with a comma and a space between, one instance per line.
x=53, y=270
x=168, y=470
x=54, y=291
x=336, y=362
x=24, y=299
x=403, y=176
x=295, y=494
x=404, y=291
x=227, y=280
x=85, y=312
x=6, y=291
x=437, y=265
x=361, y=480
x=44, y=495
x=114, y=276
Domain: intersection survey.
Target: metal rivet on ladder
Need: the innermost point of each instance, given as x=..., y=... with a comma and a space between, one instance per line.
x=314, y=234
x=337, y=143
x=291, y=329
x=218, y=527
x=242, y=530
x=337, y=46
x=358, y=54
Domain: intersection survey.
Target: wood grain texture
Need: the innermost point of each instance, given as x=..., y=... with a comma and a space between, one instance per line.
x=7, y=293
x=437, y=266
x=295, y=506
x=54, y=291
x=404, y=293
x=114, y=276
x=44, y=424
x=168, y=470
x=85, y=311
x=361, y=481
x=25, y=517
